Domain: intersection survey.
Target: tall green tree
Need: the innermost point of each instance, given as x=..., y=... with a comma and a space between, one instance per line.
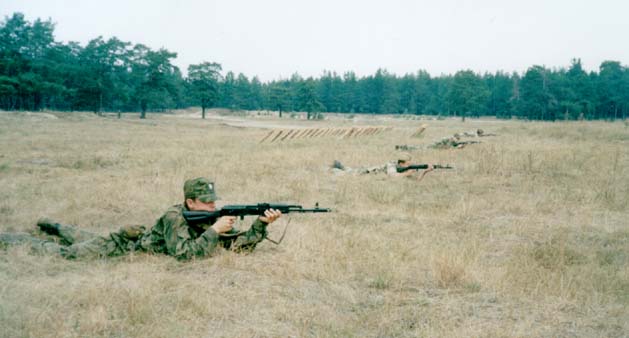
x=23, y=47
x=329, y=91
x=422, y=92
x=227, y=91
x=30, y=41
x=439, y=89
x=155, y=78
x=391, y=95
x=408, y=94
x=350, y=95
x=577, y=101
x=256, y=100
x=103, y=70
x=242, y=92
x=535, y=98
x=468, y=94
x=307, y=98
x=500, y=86
x=279, y=96
x=611, y=89
x=374, y=91
x=204, y=81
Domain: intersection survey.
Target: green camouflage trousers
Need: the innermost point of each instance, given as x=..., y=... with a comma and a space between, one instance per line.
x=75, y=243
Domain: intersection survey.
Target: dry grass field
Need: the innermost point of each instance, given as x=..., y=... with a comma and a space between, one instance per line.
x=527, y=237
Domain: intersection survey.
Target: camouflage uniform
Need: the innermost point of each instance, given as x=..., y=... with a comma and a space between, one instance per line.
x=471, y=133
x=173, y=236
x=477, y=133
x=92, y=245
x=170, y=235
x=446, y=143
x=387, y=168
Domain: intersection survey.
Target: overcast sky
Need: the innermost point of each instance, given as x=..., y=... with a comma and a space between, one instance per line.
x=273, y=39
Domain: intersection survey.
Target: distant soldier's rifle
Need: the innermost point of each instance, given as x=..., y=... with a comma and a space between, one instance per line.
x=406, y=147
x=401, y=169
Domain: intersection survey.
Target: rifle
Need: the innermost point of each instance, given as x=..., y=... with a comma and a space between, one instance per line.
x=242, y=210
x=467, y=142
x=406, y=147
x=421, y=166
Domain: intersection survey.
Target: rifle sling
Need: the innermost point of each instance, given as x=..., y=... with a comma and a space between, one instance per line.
x=281, y=237
x=236, y=234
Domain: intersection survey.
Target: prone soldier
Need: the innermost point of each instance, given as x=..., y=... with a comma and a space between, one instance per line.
x=477, y=133
x=451, y=142
x=391, y=169
x=171, y=235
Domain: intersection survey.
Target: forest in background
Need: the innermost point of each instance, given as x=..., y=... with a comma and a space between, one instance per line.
x=110, y=75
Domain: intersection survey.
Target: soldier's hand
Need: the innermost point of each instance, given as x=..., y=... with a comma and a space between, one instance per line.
x=430, y=167
x=224, y=224
x=270, y=216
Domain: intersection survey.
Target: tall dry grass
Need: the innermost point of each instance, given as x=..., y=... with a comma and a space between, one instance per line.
x=528, y=237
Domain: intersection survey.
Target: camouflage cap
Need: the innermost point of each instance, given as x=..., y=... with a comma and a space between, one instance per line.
x=201, y=188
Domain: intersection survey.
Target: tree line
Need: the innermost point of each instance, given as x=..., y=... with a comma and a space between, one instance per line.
x=110, y=75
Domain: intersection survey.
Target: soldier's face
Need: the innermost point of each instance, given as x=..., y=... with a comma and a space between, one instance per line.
x=197, y=205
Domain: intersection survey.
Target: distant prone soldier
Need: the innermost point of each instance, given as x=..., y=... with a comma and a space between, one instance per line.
x=451, y=142
x=402, y=167
x=478, y=133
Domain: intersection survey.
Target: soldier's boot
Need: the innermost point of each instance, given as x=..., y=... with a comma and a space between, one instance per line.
x=48, y=226
x=69, y=234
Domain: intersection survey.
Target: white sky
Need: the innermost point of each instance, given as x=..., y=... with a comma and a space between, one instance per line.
x=273, y=39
